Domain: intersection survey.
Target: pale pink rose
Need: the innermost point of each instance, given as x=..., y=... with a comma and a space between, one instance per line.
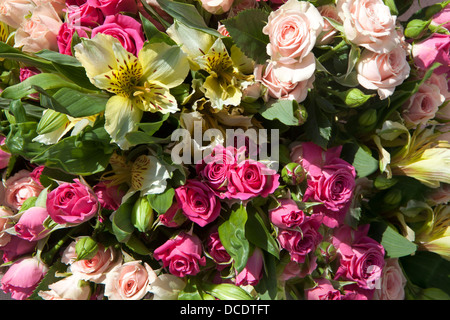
x=112, y=7
x=19, y=188
x=423, y=105
x=324, y=290
x=13, y=12
x=4, y=156
x=217, y=6
x=433, y=49
x=17, y=247
x=182, y=254
x=278, y=89
x=40, y=31
x=31, y=224
x=383, y=72
x=22, y=277
x=5, y=213
x=441, y=81
x=328, y=33
x=59, y=5
x=252, y=272
x=69, y=288
x=287, y=214
x=125, y=29
x=94, y=269
x=129, y=281
x=293, y=30
x=442, y=18
x=393, y=281
x=369, y=24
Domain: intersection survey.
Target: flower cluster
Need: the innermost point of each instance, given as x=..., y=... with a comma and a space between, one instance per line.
x=135, y=139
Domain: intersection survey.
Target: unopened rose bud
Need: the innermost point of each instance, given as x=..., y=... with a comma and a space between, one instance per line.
x=86, y=248
x=293, y=173
x=393, y=197
x=301, y=114
x=368, y=118
x=416, y=28
x=142, y=215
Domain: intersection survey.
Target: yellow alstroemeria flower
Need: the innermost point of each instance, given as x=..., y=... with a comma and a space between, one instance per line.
x=138, y=83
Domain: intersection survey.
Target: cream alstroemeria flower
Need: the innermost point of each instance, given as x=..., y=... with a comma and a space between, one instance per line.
x=138, y=83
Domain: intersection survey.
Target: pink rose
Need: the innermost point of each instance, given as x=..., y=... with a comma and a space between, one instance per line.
x=31, y=224
x=173, y=217
x=296, y=153
x=124, y=28
x=182, y=254
x=240, y=5
x=22, y=277
x=217, y=6
x=94, y=269
x=19, y=188
x=198, y=202
x=369, y=23
x=13, y=12
x=217, y=251
x=72, y=203
x=4, y=156
x=323, y=291
x=331, y=181
x=84, y=17
x=252, y=272
x=298, y=270
x=301, y=243
x=252, y=179
x=17, y=247
x=109, y=197
x=293, y=30
x=328, y=32
x=280, y=89
x=5, y=213
x=69, y=288
x=361, y=258
x=40, y=31
x=129, y=281
x=393, y=281
x=155, y=6
x=383, y=72
x=442, y=18
x=287, y=214
x=423, y=105
x=27, y=72
x=433, y=49
x=36, y=174
x=112, y=7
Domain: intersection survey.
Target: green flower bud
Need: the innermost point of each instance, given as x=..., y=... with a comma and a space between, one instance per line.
x=142, y=215
x=393, y=197
x=293, y=173
x=51, y=120
x=354, y=97
x=301, y=114
x=368, y=118
x=416, y=28
x=86, y=248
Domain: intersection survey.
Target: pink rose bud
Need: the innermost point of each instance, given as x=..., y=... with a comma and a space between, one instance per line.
x=323, y=291
x=252, y=272
x=72, y=203
x=4, y=156
x=217, y=251
x=287, y=214
x=17, y=247
x=30, y=225
x=198, y=202
x=182, y=254
x=173, y=217
x=22, y=277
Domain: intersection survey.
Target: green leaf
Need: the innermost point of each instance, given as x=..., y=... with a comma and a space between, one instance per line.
x=282, y=110
x=226, y=291
x=80, y=104
x=121, y=221
x=186, y=14
x=153, y=34
x=393, y=242
x=232, y=236
x=267, y=286
x=161, y=202
x=258, y=234
x=9, y=52
x=364, y=163
x=135, y=244
x=20, y=140
x=246, y=31
x=318, y=127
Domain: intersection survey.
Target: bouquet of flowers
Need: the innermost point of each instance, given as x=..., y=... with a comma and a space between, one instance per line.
x=224, y=149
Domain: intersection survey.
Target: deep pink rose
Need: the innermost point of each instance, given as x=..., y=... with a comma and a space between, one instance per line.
x=19, y=188
x=84, y=17
x=109, y=197
x=331, y=181
x=252, y=272
x=198, y=202
x=17, y=247
x=433, y=49
x=252, y=179
x=298, y=270
x=173, y=217
x=22, y=277
x=182, y=254
x=124, y=28
x=4, y=156
x=442, y=18
x=217, y=251
x=65, y=36
x=323, y=291
x=287, y=214
x=72, y=203
x=361, y=258
x=301, y=243
x=31, y=224
x=36, y=174
x=112, y=7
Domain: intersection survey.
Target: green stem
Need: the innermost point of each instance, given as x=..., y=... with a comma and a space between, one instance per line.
x=330, y=53
x=47, y=257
